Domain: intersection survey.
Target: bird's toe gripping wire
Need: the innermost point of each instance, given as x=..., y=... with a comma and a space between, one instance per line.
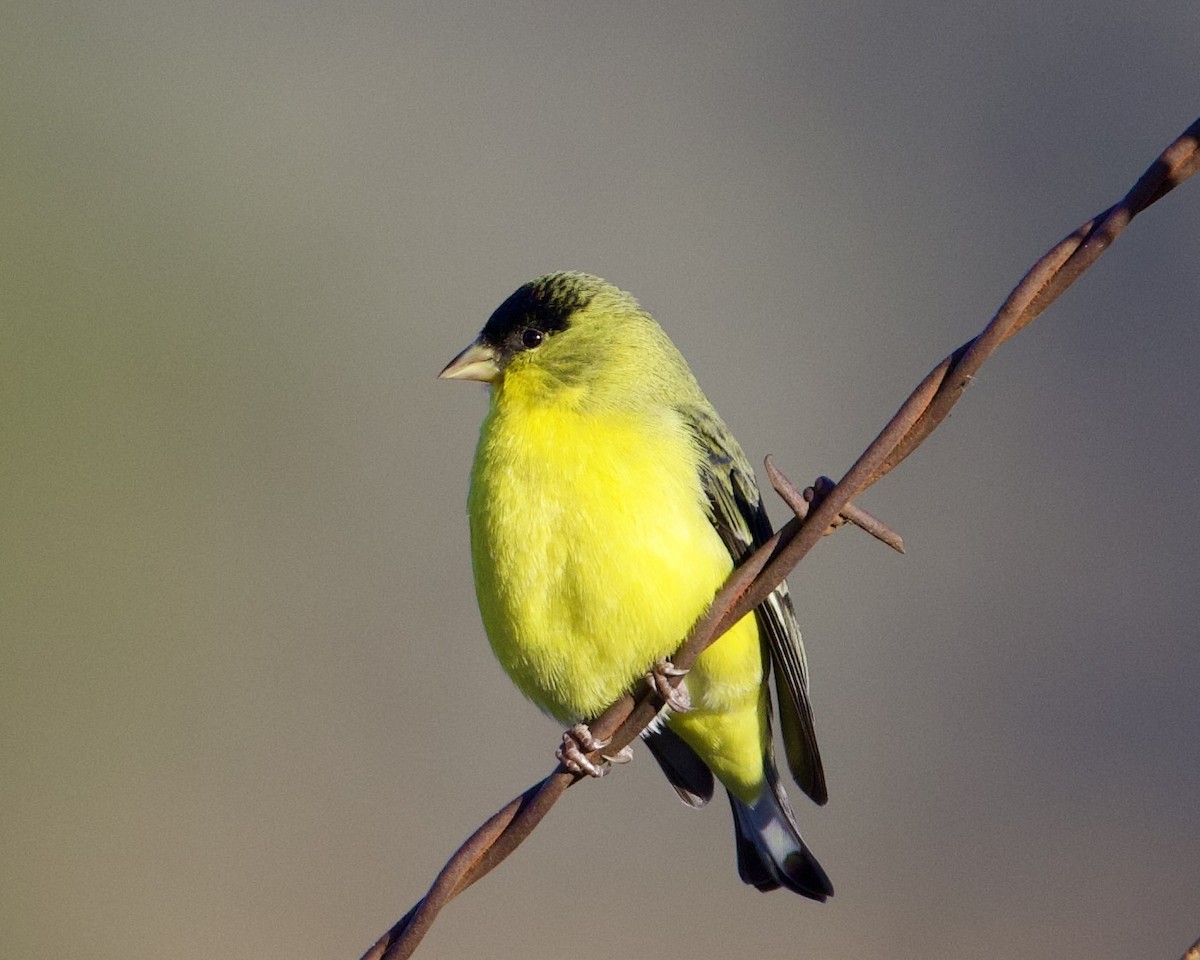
x=675, y=695
x=578, y=742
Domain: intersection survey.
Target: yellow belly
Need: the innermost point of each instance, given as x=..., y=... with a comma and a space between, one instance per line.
x=593, y=556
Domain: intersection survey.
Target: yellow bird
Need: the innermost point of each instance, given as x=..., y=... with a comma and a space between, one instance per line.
x=608, y=503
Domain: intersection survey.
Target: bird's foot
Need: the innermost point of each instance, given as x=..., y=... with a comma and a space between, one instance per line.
x=578, y=742
x=675, y=696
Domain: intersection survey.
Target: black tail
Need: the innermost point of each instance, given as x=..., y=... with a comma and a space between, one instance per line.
x=770, y=851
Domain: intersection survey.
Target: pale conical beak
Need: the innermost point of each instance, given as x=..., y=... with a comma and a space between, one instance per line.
x=477, y=362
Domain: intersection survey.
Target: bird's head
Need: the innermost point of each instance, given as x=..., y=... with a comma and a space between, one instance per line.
x=566, y=332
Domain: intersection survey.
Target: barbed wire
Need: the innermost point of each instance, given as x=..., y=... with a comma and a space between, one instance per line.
x=817, y=510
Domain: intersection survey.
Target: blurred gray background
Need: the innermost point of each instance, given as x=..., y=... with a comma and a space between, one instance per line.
x=246, y=705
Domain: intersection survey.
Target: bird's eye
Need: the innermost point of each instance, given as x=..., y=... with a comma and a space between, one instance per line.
x=531, y=337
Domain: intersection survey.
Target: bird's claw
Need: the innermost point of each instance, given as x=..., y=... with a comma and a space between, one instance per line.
x=675, y=696
x=577, y=743
x=624, y=755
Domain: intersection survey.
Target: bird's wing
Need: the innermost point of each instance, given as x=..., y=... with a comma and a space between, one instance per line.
x=688, y=774
x=736, y=511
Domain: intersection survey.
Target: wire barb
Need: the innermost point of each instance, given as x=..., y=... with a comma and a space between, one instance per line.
x=754, y=580
x=799, y=500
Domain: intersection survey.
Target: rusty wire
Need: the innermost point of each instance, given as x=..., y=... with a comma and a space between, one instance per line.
x=826, y=506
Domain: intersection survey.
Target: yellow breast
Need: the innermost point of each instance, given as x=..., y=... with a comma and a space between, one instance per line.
x=592, y=551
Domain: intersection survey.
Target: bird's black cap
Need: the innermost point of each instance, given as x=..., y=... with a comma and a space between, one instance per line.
x=545, y=304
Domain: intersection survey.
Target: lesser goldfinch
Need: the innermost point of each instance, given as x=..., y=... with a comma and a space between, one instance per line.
x=608, y=503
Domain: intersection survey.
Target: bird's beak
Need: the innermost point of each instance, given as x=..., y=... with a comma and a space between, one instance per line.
x=477, y=362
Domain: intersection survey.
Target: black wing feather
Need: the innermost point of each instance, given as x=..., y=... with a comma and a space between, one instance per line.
x=687, y=773
x=737, y=513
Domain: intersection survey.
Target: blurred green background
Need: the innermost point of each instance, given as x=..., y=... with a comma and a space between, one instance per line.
x=246, y=705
